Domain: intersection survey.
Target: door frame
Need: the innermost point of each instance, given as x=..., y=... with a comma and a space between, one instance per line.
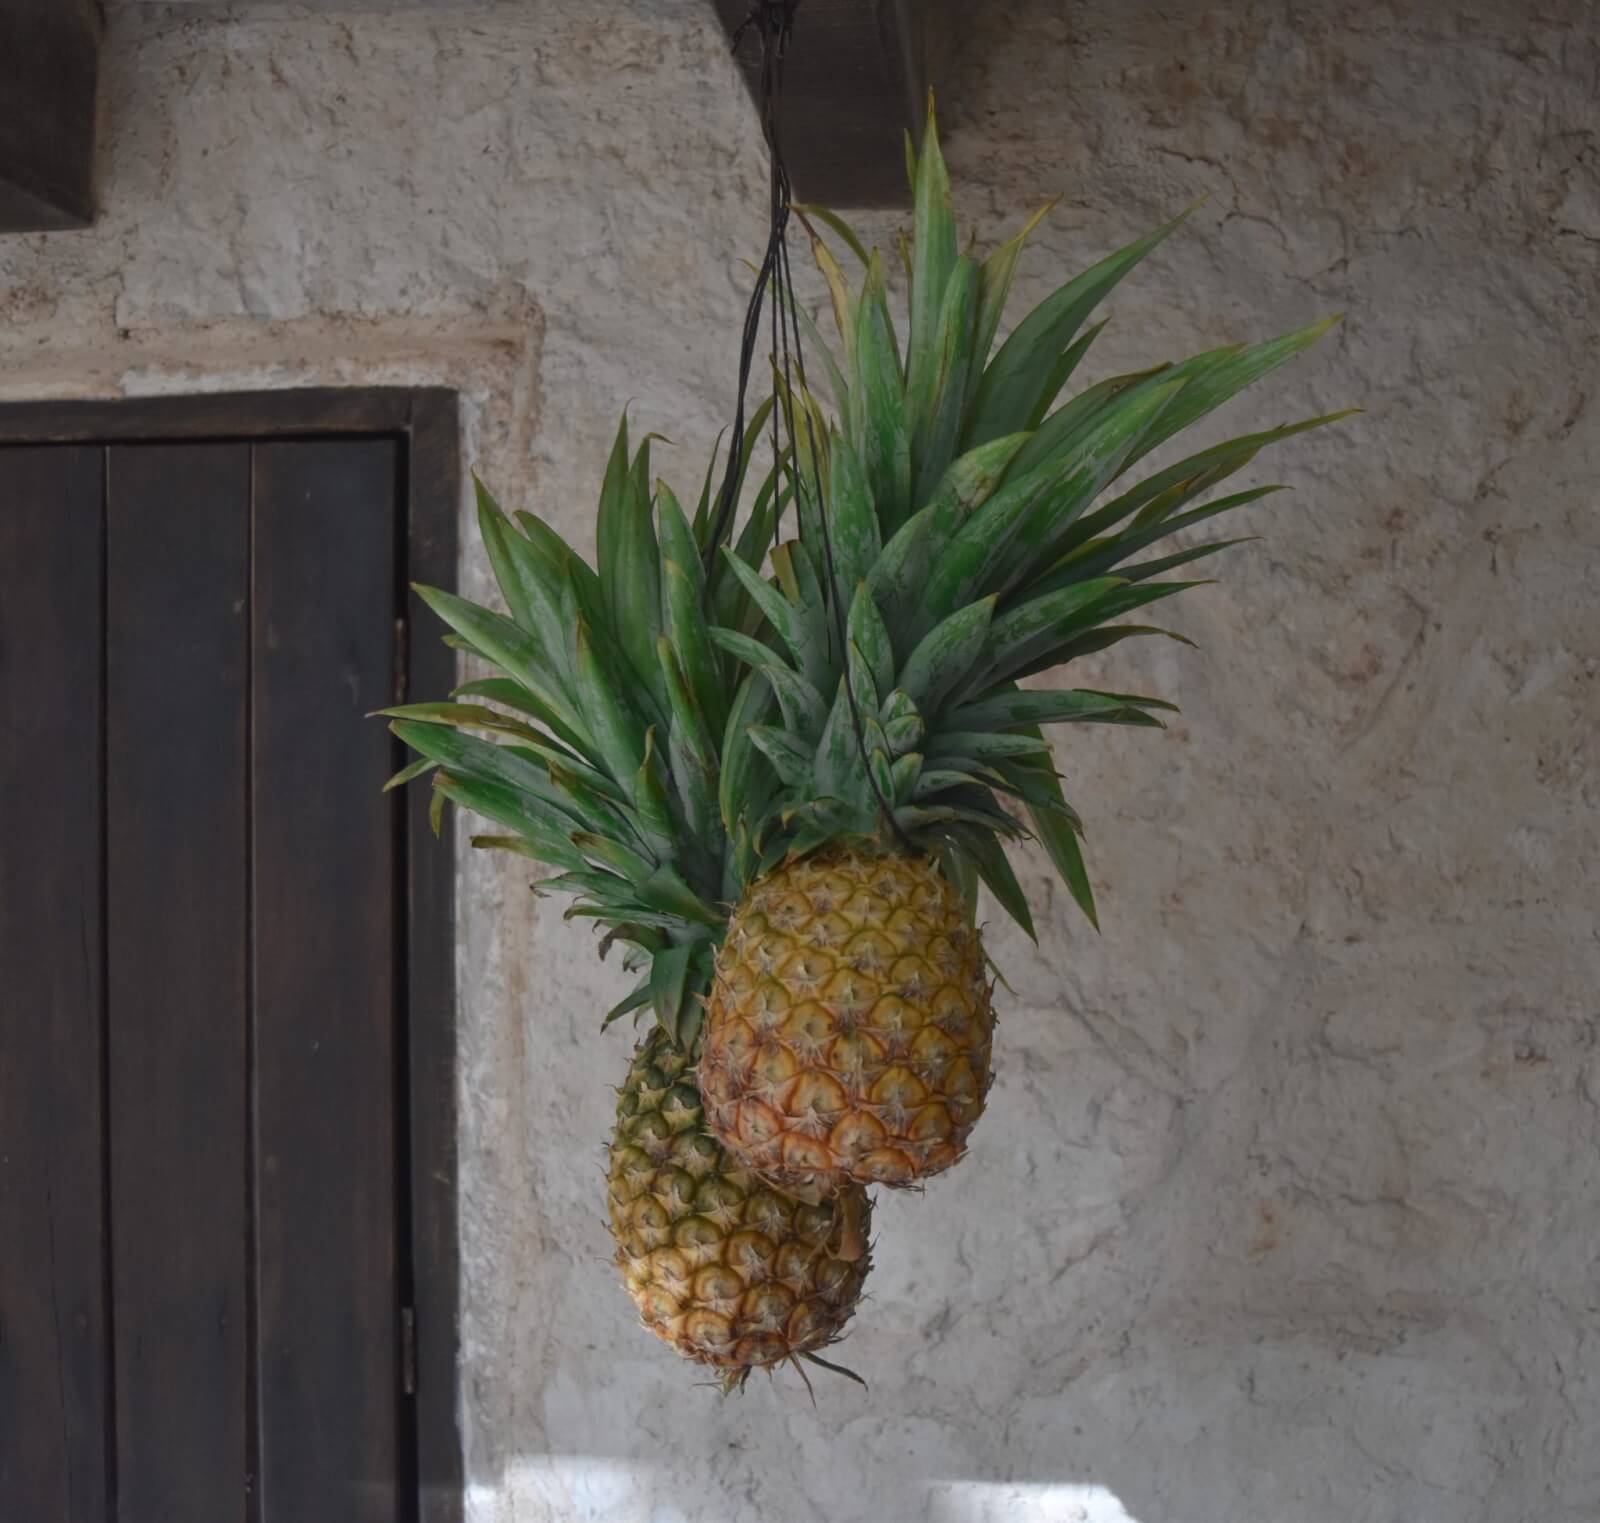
x=424, y=423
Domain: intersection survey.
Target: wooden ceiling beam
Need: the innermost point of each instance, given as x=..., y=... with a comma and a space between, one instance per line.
x=49, y=59
x=854, y=81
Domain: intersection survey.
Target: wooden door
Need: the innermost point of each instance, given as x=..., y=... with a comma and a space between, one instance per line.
x=207, y=1246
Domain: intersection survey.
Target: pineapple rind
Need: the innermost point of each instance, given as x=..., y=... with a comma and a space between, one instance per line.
x=850, y=1022
x=727, y=1270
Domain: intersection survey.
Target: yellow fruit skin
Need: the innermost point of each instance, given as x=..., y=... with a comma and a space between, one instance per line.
x=729, y=1271
x=849, y=1026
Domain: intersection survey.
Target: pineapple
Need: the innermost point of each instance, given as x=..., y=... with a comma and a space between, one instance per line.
x=730, y=1272
x=593, y=748
x=852, y=993
x=951, y=541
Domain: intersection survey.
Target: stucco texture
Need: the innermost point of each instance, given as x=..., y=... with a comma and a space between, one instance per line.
x=1285, y=1209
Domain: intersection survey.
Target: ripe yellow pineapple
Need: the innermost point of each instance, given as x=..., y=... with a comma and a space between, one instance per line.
x=852, y=1021
x=727, y=1270
x=950, y=544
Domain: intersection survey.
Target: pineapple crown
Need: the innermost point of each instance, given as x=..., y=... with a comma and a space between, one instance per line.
x=606, y=710
x=671, y=723
x=952, y=541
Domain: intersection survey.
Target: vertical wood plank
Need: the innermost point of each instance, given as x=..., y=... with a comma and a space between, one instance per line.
x=433, y=499
x=177, y=606
x=325, y=1010
x=54, y=1410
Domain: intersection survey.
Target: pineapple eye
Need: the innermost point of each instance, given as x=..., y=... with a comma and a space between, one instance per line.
x=649, y=1216
x=707, y=1331
x=805, y=968
x=653, y=1133
x=887, y=1166
x=817, y=1094
x=675, y=1190
x=871, y=951
x=854, y=1054
x=860, y=1132
x=738, y=1048
x=892, y=1015
x=867, y=909
x=774, y=1065
x=950, y=1003
x=631, y=1166
x=931, y=1050
x=759, y=1349
x=803, y=1155
x=768, y=1005
x=750, y=1250
x=895, y=886
x=700, y=1149
x=765, y=952
x=830, y=930
x=960, y=1082
x=718, y=1286
x=758, y=1123
x=807, y=1026
x=849, y=993
x=659, y=1305
x=831, y=891
x=769, y=1001
x=789, y=911
x=899, y=1088
x=914, y=977
x=943, y=955
x=695, y=1232
x=681, y=1108
x=792, y=1264
x=813, y=1224
x=931, y=1124
x=766, y=1308
x=770, y=1211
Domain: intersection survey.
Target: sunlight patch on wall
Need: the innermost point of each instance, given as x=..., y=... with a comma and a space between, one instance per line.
x=580, y=1488
x=1023, y=1502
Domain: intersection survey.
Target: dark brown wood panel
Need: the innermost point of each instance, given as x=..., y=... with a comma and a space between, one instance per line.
x=853, y=84
x=214, y=416
x=54, y=1446
x=326, y=1055
x=177, y=600
x=49, y=60
x=180, y=949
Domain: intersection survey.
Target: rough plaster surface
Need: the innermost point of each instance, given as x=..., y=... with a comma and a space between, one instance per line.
x=1286, y=1207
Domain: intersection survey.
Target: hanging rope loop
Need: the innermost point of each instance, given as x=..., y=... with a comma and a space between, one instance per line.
x=773, y=20
x=773, y=23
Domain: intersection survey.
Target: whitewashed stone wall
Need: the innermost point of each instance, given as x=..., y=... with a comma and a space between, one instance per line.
x=1286, y=1208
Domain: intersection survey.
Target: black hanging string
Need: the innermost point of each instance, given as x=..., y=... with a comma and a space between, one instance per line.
x=773, y=21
